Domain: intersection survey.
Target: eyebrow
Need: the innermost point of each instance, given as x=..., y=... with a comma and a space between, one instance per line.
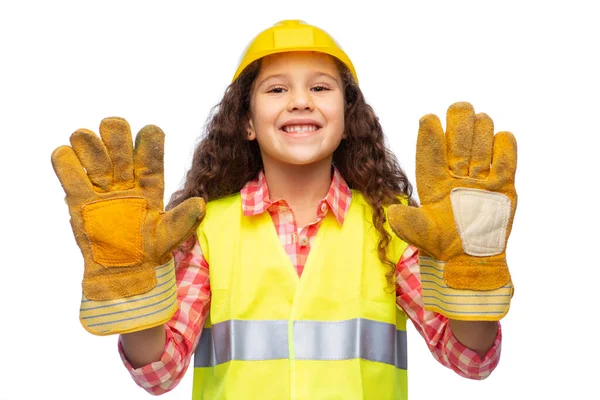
x=283, y=75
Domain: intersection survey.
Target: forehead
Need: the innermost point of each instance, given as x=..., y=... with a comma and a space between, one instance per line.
x=297, y=61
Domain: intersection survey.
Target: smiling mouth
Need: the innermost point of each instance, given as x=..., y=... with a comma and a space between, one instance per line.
x=300, y=128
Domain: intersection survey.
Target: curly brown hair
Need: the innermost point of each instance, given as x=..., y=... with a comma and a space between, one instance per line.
x=224, y=160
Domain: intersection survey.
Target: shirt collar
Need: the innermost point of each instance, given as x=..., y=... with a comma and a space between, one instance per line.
x=256, y=200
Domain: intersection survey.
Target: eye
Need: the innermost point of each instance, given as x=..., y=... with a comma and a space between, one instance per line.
x=276, y=89
x=319, y=88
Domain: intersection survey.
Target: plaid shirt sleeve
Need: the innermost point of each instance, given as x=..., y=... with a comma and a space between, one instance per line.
x=435, y=327
x=184, y=328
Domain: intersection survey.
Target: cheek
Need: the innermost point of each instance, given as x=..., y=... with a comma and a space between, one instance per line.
x=334, y=111
x=335, y=117
x=265, y=114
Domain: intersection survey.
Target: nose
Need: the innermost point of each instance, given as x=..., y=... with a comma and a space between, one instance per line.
x=300, y=100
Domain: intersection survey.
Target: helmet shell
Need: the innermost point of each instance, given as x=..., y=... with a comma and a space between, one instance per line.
x=292, y=35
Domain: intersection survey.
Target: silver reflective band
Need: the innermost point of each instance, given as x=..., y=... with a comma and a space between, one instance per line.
x=268, y=340
x=242, y=340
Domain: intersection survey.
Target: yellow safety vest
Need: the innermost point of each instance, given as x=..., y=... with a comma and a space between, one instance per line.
x=333, y=333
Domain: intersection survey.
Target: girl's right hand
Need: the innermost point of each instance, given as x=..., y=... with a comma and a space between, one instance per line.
x=115, y=196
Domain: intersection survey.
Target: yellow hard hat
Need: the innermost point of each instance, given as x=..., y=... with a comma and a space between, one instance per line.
x=292, y=35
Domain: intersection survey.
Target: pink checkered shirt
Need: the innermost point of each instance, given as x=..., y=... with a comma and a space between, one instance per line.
x=183, y=330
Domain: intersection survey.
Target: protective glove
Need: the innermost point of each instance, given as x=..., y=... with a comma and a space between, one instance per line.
x=465, y=181
x=115, y=198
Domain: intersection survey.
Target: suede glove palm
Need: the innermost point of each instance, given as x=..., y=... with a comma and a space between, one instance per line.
x=465, y=181
x=115, y=198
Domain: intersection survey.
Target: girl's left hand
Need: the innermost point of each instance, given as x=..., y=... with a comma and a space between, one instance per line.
x=465, y=181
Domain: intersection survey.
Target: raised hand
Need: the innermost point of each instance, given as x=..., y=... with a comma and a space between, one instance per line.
x=115, y=196
x=465, y=180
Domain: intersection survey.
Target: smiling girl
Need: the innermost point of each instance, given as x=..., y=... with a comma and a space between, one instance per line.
x=294, y=285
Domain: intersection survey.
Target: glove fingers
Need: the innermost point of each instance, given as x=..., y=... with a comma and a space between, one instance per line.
x=460, y=126
x=411, y=224
x=94, y=157
x=116, y=136
x=179, y=223
x=71, y=175
x=148, y=162
x=432, y=166
x=481, y=152
x=504, y=162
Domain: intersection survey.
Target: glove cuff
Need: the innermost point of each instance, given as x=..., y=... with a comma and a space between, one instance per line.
x=459, y=304
x=133, y=313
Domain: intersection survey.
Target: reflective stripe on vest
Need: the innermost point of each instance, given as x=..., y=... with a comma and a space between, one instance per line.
x=268, y=340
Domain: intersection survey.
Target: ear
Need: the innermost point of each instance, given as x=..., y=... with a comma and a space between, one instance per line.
x=250, y=130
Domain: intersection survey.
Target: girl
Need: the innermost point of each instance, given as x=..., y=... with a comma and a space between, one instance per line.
x=287, y=288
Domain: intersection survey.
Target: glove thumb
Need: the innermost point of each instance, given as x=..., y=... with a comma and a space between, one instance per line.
x=411, y=224
x=180, y=222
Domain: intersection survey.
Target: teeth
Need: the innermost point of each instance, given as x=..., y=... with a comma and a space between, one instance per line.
x=300, y=128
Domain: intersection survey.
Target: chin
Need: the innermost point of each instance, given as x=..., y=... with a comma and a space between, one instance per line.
x=305, y=161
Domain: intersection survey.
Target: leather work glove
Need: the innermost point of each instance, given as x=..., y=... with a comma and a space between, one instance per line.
x=115, y=198
x=465, y=181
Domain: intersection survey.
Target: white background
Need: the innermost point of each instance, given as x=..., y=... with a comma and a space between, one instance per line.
x=532, y=66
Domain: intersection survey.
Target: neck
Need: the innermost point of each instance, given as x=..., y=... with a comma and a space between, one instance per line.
x=301, y=186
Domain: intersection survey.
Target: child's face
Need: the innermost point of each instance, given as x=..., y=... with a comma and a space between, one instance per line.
x=297, y=109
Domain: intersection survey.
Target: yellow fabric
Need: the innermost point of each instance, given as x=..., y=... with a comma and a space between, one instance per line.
x=292, y=35
x=252, y=278
x=115, y=197
x=467, y=156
